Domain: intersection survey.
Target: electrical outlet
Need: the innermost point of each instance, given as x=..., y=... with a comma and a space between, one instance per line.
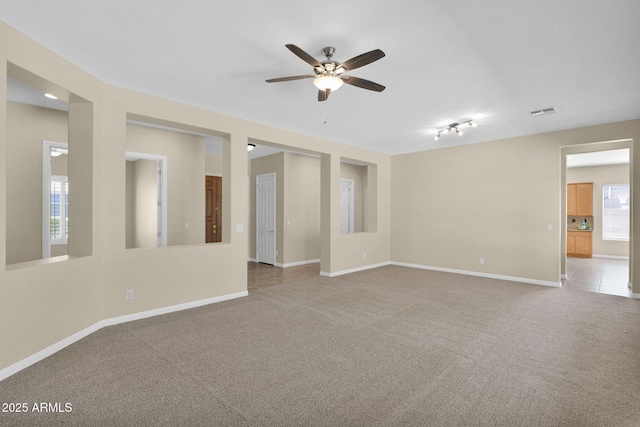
x=364, y=255
x=128, y=294
x=482, y=261
x=186, y=225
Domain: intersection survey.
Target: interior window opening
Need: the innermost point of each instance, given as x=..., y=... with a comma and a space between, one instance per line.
x=174, y=184
x=49, y=133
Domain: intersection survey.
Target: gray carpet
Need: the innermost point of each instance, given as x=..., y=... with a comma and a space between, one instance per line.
x=391, y=346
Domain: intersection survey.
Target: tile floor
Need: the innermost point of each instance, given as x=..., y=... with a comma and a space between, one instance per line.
x=261, y=275
x=603, y=275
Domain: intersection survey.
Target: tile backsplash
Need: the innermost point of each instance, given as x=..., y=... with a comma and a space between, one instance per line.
x=574, y=222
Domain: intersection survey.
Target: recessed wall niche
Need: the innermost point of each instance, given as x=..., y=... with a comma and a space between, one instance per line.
x=49, y=149
x=358, y=196
x=167, y=165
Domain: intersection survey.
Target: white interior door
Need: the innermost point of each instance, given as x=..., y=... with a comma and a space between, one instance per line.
x=266, y=218
x=346, y=206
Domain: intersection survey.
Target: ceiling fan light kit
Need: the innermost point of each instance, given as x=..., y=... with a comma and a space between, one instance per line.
x=328, y=75
x=456, y=127
x=331, y=83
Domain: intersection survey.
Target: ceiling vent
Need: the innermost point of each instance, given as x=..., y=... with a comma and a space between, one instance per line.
x=551, y=110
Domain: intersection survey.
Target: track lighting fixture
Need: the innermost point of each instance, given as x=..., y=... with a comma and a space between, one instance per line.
x=455, y=126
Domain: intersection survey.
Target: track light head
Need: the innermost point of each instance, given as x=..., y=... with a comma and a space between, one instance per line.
x=455, y=126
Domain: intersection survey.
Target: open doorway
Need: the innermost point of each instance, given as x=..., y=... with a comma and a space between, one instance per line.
x=55, y=199
x=292, y=238
x=146, y=200
x=597, y=232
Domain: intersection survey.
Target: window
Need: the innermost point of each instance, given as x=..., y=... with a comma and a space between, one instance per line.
x=58, y=210
x=615, y=218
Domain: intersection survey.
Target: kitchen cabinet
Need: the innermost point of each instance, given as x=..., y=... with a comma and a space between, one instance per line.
x=579, y=244
x=580, y=199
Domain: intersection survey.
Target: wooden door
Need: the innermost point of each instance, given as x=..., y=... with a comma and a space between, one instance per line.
x=213, y=205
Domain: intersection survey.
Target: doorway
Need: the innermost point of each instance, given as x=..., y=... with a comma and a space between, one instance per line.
x=266, y=218
x=213, y=209
x=600, y=165
x=55, y=199
x=346, y=206
x=146, y=207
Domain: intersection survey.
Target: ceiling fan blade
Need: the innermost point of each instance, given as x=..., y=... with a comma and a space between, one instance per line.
x=286, y=79
x=361, y=60
x=364, y=84
x=304, y=55
x=323, y=94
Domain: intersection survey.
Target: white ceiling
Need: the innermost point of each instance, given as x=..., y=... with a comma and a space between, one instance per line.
x=598, y=158
x=493, y=61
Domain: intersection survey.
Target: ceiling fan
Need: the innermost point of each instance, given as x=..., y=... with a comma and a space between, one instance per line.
x=328, y=75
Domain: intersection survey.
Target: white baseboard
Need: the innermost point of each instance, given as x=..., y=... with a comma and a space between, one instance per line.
x=563, y=276
x=353, y=270
x=54, y=348
x=610, y=256
x=557, y=284
x=253, y=260
x=294, y=264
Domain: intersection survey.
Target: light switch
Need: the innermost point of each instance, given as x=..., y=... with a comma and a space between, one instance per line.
x=549, y=227
x=239, y=228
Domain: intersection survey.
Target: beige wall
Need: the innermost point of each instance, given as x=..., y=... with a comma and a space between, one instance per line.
x=130, y=205
x=601, y=175
x=453, y=206
x=301, y=221
x=27, y=127
x=145, y=211
x=213, y=164
x=185, y=185
x=43, y=302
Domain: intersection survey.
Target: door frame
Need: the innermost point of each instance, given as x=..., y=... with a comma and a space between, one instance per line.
x=46, y=193
x=351, y=224
x=161, y=161
x=258, y=177
x=566, y=150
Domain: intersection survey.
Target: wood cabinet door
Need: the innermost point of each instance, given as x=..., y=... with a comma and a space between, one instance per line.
x=213, y=209
x=571, y=199
x=584, y=199
x=571, y=245
x=583, y=245
x=579, y=244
